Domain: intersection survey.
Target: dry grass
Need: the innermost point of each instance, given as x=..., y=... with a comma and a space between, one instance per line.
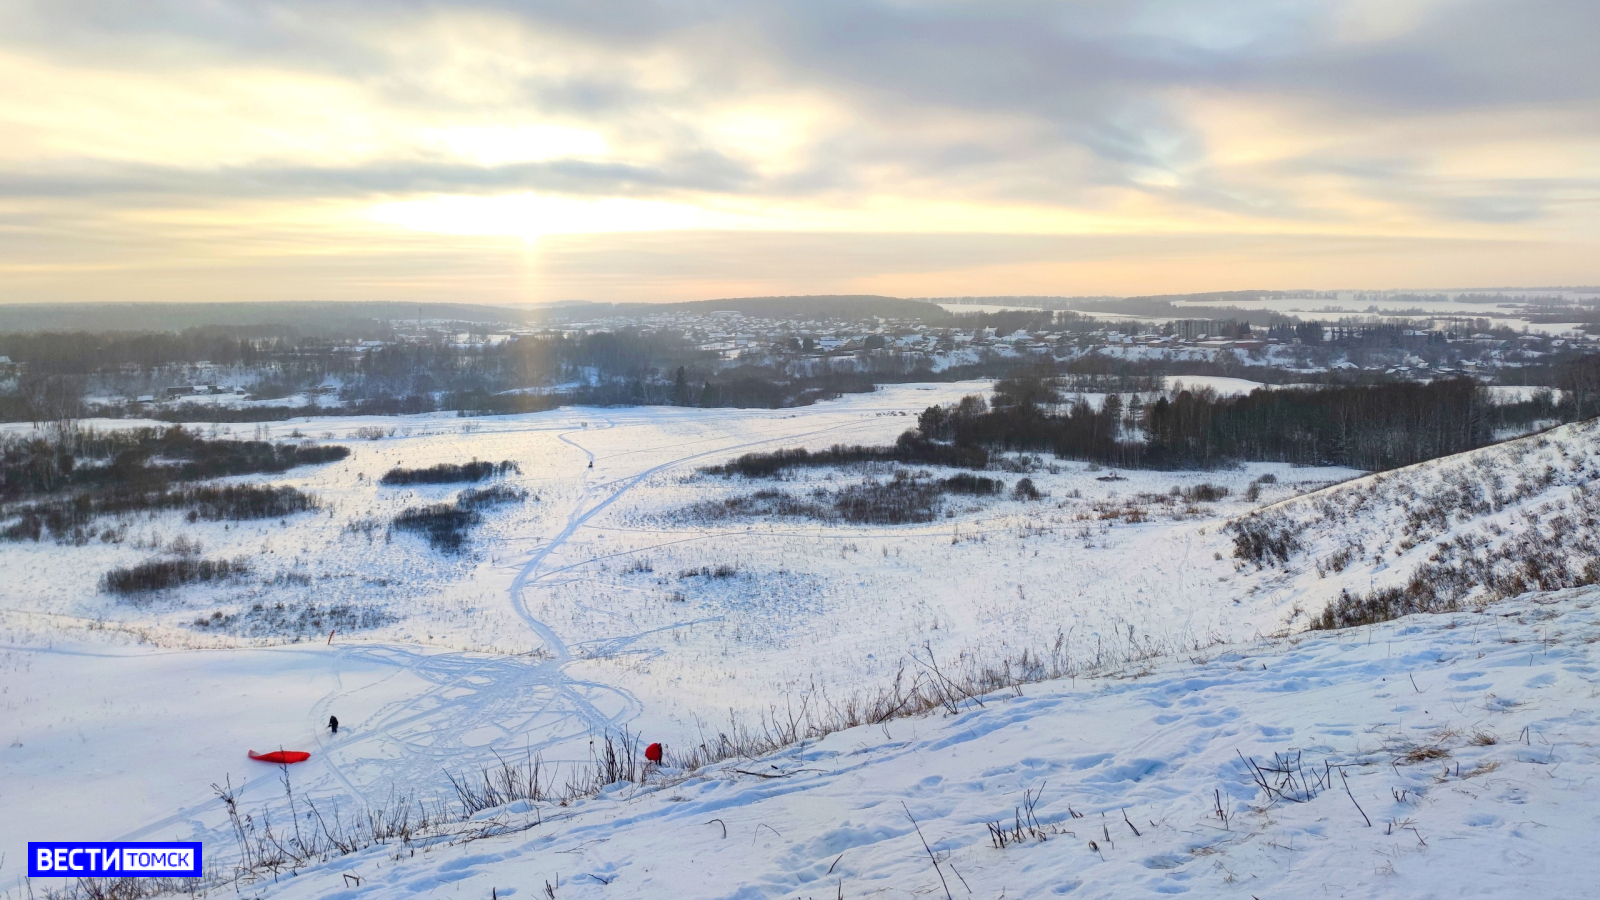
x=1409, y=752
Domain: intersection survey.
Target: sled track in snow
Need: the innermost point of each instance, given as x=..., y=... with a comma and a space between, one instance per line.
x=482, y=708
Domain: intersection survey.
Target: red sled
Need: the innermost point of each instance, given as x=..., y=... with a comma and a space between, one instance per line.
x=283, y=757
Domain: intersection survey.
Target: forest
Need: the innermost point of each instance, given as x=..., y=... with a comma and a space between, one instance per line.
x=1370, y=427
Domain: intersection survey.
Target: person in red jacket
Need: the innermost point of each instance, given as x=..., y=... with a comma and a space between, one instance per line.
x=653, y=753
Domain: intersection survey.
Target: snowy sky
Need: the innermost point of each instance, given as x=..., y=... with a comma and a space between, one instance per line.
x=504, y=151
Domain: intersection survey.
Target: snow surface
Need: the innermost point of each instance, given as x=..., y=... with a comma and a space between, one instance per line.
x=1468, y=742
x=573, y=614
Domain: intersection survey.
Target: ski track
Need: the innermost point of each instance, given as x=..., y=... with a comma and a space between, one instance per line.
x=1166, y=741
x=481, y=707
x=478, y=708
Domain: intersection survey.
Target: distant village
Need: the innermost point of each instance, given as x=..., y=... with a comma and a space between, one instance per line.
x=904, y=348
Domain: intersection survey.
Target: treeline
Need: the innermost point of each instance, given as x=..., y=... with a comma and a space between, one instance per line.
x=910, y=449
x=122, y=460
x=61, y=484
x=87, y=352
x=742, y=387
x=69, y=519
x=1365, y=427
x=450, y=473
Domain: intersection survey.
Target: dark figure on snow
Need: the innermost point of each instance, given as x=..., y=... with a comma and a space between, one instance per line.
x=333, y=724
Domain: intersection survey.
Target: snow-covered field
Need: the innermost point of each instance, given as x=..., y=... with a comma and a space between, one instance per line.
x=609, y=599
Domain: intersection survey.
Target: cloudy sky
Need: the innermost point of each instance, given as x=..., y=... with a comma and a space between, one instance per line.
x=504, y=151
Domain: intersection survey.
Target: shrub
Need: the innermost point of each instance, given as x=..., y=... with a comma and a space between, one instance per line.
x=293, y=619
x=477, y=498
x=1025, y=490
x=764, y=503
x=977, y=485
x=1264, y=538
x=163, y=574
x=897, y=502
x=450, y=473
x=1560, y=552
x=1205, y=492
x=443, y=524
x=245, y=501
x=1381, y=605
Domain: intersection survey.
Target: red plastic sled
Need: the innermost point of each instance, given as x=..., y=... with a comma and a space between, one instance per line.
x=281, y=756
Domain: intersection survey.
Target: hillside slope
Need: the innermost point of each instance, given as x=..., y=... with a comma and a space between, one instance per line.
x=1464, y=529
x=1467, y=741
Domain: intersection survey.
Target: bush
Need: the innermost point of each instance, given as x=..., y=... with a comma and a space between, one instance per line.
x=450, y=473
x=1264, y=538
x=896, y=502
x=443, y=524
x=244, y=501
x=764, y=503
x=477, y=498
x=1381, y=605
x=163, y=574
x=1025, y=490
x=977, y=485
x=1205, y=492
x=292, y=619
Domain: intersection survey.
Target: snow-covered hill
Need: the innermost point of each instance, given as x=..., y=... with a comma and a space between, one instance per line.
x=1496, y=522
x=1438, y=756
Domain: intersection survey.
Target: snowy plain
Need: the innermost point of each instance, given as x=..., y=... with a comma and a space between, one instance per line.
x=586, y=608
